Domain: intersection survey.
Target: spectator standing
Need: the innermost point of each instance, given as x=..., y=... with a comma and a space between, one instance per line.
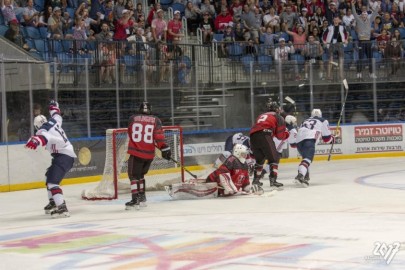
x=331, y=11
x=174, y=28
x=159, y=27
x=30, y=15
x=289, y=17
x=272, y=19
x=363, y=30
x=222, y=20
x=152, y=12
x=123, y=26
x=8, y=11
x=192, y=14
x=55, y=24
x=105, y=34
x=44, y=17
x=393, y=53
x=335, y=37
x=313, y=55
x=207, y=7
x=118, y=9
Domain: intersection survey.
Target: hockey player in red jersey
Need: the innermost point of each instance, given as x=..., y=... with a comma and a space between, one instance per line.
x=49, y=133
x=145, y=134
x=233, y=176
x=268, y=125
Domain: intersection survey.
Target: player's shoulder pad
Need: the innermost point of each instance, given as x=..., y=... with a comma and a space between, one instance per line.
x=48, y=125
x=321, y=119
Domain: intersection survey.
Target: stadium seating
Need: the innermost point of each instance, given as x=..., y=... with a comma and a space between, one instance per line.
x=265, y=62
x=246, y=60
x=3, y=30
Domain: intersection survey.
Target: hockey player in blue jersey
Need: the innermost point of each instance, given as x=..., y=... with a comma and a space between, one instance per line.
x=309, y=133
x=49, y=133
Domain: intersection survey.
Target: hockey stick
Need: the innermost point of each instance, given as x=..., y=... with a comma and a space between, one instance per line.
x=293, y=103
x=346, y=86
x=158, y=153
x=184, y=168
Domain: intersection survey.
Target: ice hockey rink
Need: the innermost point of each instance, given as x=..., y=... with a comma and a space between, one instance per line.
x=351, y=217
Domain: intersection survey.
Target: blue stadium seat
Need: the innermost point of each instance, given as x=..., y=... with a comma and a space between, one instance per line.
x=235, y=51
x=246, y=60
x=129, y=61
x=165, y=4
x=1, y=19
x=41, y=45
x=178, y=6
x=39, y=5
x=298, y=57
x=32, y=32
x=56, y=46
x=65, y=60
x=265, y=62
x=218, y=37
x=3, y=30
x=43, y=31
x=402, y=32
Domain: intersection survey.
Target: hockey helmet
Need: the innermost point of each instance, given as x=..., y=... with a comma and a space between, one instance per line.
x=145, y=108
x=291, y=120
x=241, y=152
x=272, y=106
x=316, y=112
x=39, y=120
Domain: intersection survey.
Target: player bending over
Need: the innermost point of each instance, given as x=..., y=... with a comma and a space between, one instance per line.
x=267, y=126
x=51, y=135
x=310, y=132
x=231, y=141
x=145, y=133
x=232, y=176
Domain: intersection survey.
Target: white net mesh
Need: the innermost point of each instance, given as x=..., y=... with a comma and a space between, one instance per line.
x=115, y=178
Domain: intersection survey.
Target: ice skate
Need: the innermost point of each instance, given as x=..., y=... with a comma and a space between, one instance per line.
x=60, y=212
x=50, y=207
x=306, y=177
x=300, y=180
x=274, y=184
x=134, y=203
x=142, y=199
x=256, y=179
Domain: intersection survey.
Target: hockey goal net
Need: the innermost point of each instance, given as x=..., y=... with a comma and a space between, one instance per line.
x=115, y=178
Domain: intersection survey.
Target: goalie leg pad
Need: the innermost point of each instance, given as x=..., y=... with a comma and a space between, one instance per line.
x=190, y=191
x=226, y=182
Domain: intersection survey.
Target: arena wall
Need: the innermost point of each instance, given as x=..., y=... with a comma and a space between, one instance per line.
x=24, y=169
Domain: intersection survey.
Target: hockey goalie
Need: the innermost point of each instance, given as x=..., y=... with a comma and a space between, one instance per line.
x=231, y=178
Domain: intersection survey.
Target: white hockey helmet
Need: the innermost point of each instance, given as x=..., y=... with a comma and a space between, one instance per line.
x=241, y=152
x=316, y=112
x=291, y=120
x=39, y=120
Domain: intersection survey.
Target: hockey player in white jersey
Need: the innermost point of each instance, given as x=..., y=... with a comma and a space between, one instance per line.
x=231, y=141
x=309, y=133
x=51, y=135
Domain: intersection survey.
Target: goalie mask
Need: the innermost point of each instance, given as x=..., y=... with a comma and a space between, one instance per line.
x=39, y=121
x=316, y=112
x=145, y=108
x=272, y=106
x=241, y=152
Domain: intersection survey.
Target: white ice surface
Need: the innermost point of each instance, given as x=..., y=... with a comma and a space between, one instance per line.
x=333, y=224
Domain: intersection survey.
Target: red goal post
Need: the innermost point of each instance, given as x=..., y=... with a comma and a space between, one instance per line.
x=162, y=172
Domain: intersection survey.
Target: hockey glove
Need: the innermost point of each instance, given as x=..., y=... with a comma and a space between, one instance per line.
x=34, y=142
x=53, y=107
x=166, y=153
x=257, y=190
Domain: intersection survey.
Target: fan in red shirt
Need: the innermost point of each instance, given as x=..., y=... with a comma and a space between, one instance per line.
x=268, y=125
x=145, y=134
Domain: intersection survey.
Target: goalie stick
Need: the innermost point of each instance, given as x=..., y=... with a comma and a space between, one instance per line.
x=158, y=152
x=346, y=86
x=184, y=168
